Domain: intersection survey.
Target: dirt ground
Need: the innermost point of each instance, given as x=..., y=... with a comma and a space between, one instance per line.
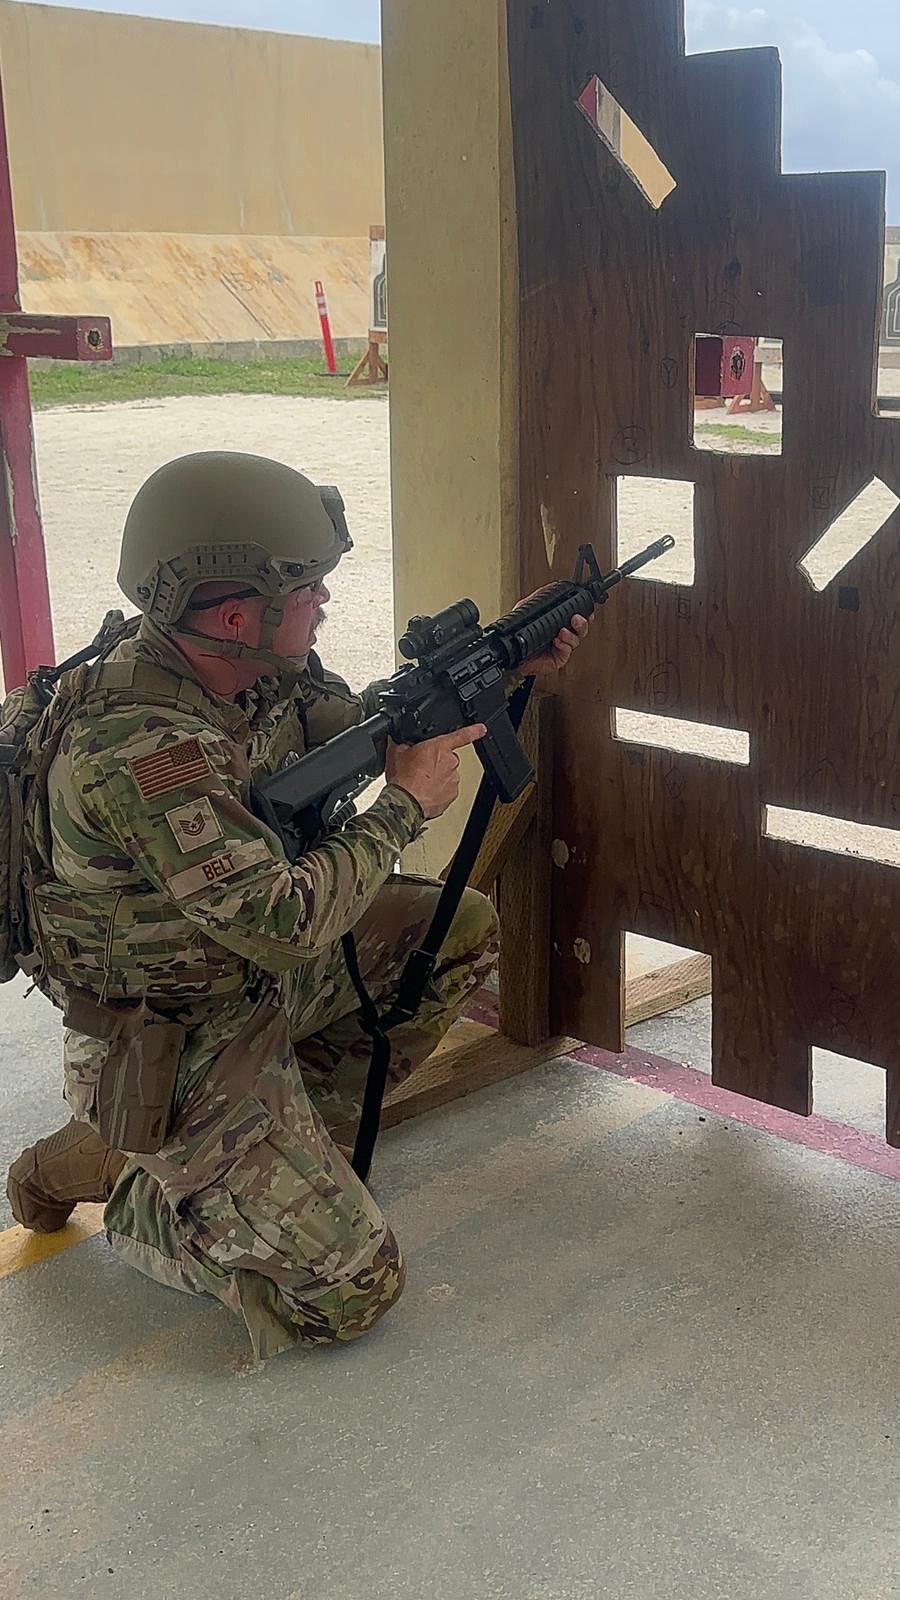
x=92, y=460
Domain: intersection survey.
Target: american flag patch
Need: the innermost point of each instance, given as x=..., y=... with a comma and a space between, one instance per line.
x=169, y=769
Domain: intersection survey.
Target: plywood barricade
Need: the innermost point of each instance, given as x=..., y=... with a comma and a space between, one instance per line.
x=615, y=285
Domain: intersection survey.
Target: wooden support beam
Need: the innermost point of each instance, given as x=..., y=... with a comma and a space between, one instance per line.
x=524, y=901
x=508, y=828
x=472, y=1057
x=666, y=989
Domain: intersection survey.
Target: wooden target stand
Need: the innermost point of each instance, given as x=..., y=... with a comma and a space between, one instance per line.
x=505, y=1036
x=760, y=398
x=754, y=399
x=371, y=367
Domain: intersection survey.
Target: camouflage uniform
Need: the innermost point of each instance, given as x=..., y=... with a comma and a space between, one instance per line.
x=160, y=884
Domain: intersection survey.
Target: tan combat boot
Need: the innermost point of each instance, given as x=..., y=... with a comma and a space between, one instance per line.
x=52, y=1177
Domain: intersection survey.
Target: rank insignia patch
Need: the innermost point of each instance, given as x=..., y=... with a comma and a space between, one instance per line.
x=194, y=825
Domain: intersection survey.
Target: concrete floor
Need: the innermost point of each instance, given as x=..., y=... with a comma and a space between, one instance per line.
x=645, y=1352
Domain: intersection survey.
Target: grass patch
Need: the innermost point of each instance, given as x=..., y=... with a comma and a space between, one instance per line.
x=739, y=435
x=102, y=383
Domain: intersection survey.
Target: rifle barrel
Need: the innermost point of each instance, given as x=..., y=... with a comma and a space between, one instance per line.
x=643, y=560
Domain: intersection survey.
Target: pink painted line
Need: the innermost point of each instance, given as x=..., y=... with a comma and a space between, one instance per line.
x=853, y=1146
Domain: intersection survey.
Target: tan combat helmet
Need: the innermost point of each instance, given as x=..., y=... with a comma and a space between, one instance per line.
x=225, y=516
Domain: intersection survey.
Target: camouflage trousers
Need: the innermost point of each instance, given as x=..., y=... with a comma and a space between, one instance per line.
x=250, y=1200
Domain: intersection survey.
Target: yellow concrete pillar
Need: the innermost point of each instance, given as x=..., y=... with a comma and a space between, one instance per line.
x=453, y=291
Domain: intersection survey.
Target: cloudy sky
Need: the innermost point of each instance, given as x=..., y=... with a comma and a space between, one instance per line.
x=841, y=61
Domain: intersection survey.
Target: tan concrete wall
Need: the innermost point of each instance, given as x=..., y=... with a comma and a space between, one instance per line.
x=453, y=319
x=163, y=288
x=126, y=124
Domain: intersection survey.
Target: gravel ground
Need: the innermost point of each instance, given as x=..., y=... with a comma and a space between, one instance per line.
x=93, y=459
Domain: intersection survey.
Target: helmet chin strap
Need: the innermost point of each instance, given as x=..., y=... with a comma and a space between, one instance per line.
x=286, y=669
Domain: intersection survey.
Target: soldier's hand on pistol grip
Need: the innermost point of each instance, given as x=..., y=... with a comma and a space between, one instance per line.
x=430, y=771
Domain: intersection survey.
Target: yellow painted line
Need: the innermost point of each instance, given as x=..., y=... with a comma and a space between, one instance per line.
x=19, y=1248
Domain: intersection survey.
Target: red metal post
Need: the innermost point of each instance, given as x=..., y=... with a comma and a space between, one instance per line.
x=25, y=333
x=26, y=632
x=325, y=320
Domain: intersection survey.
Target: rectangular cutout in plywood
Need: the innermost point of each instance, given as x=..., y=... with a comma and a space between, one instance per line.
x=701, y=739
x=734, y=413
x=661, y=977
x=833, y=835
x=862, y=521
x=647, y=508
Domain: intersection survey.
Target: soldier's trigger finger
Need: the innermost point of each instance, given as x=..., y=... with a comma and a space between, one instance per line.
x=464, y=736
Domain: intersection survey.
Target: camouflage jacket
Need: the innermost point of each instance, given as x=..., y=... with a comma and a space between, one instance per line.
x=149, y=876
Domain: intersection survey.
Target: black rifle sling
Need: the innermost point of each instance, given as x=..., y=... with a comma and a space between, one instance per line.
x=422, y=962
